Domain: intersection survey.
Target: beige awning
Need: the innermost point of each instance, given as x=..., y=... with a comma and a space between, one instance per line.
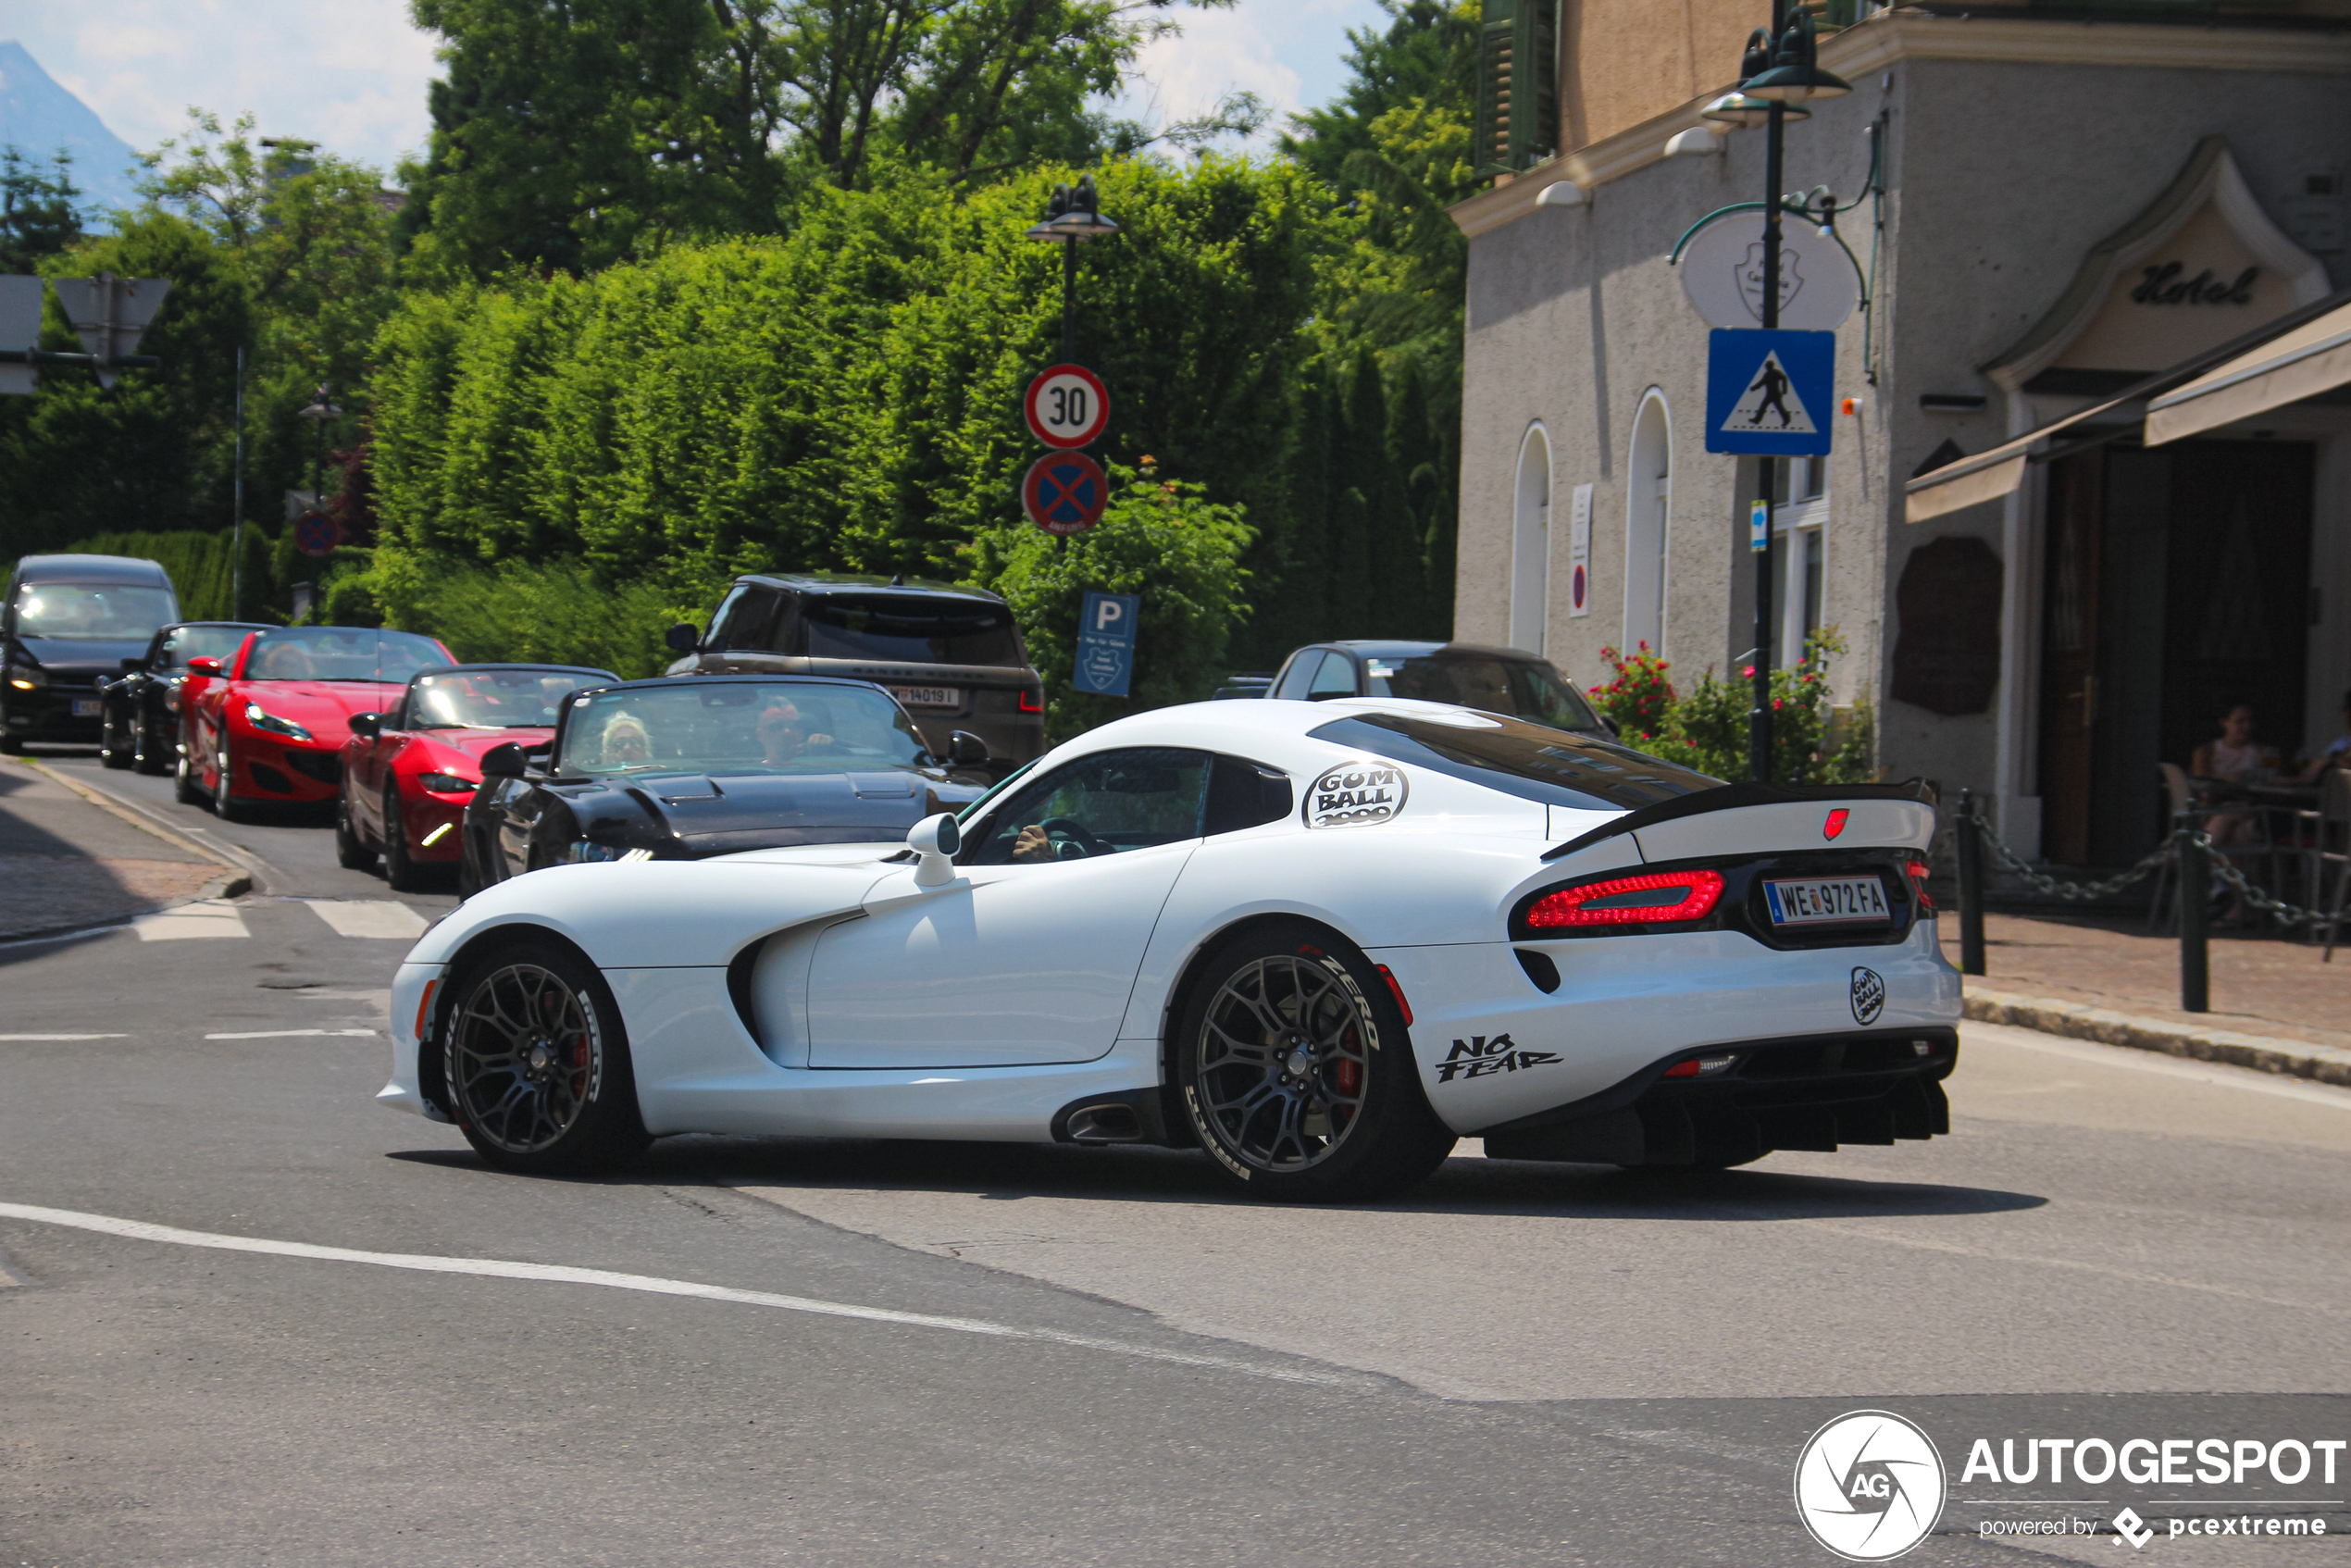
x=2261, y=363
x=2313, y=358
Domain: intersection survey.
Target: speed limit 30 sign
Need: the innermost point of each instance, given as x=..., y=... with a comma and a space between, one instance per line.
x=1068, y=406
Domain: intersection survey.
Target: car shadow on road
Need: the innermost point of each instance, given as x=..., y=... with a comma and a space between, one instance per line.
x=1464, y=1184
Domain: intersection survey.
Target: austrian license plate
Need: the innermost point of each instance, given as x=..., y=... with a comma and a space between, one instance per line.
x=85, y=707
x=1828, y=901
x=929, y=696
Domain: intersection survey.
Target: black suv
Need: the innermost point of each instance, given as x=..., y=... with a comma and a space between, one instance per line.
x=68, y=623
x=952, y=656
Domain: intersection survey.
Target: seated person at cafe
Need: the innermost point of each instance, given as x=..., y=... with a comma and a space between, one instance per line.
x=2235, y=759
x=2337, y=754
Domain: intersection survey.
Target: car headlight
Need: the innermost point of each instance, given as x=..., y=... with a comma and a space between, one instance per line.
x=260, y=718
x=447, y=783
x=583, y=851
x=27, y=679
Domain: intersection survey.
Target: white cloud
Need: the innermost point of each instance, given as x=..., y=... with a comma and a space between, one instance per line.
x=1287, y=53
x=350, y=74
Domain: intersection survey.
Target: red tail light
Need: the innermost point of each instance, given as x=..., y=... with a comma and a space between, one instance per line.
x=1656, y=897
x=1917, y=871
x=1031, y=701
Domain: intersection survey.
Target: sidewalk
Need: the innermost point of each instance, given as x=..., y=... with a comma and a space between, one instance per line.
x=2275, y=1007
x=68, y=863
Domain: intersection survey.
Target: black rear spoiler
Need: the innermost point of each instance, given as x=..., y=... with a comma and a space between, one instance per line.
x=1728, y=797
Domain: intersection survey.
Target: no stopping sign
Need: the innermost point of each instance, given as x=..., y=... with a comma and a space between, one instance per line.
x=1068, y=406
x=1064, y=492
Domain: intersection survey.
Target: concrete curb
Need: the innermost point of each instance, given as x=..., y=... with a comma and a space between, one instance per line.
x=2288, y=1058
x=147, y=822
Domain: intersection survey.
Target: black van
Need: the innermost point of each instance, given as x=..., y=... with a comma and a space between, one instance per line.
x=68, y=623
x=952, y=656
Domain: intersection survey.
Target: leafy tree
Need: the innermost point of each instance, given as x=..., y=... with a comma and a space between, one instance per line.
x=38, y=218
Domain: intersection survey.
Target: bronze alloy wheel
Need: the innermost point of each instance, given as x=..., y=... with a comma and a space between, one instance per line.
x=1282, y=1061
x=525, y=1059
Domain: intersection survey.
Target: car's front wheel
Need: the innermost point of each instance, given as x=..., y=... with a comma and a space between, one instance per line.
x=1295, y=1071
x=536, y=1064
x=186, y=786
x=402, y=873
x=114, y=744
x=225, y=805
x=351, y=853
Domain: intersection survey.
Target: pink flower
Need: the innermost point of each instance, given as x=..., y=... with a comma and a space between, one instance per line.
x=1748, y=672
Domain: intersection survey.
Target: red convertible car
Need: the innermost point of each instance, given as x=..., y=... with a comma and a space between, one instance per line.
x=267, y=724
x=409, y=771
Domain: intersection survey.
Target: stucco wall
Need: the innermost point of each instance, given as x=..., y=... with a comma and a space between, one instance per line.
x=1625, y=64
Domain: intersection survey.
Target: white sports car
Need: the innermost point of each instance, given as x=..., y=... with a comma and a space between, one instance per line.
x=1320, y=940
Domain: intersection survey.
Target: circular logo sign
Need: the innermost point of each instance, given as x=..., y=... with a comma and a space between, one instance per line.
x=1067, y=406
x=1356, y=791
x=1064, y=492
x=1870, y=1485
x=1868, y=995
x=1722, y=274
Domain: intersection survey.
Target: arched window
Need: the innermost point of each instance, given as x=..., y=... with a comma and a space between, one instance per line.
x=1531, y=542
x=1650, y=481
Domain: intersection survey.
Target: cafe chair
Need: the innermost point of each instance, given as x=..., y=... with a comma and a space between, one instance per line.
x=2329, y=853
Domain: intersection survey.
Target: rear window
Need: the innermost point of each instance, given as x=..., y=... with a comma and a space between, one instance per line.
x=1495, y=686
x=1531, y=760
x=904, y=630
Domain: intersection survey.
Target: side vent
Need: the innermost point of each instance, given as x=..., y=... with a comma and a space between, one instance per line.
x=1539, y=969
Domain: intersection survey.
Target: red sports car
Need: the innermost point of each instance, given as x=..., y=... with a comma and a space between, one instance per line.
x=267, y=723
x=409, y=771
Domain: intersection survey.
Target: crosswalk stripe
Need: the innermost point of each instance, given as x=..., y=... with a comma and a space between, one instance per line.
x=296, y=1034
x=205, y=917
x=368, y=917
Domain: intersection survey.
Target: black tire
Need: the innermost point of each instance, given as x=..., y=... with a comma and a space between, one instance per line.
x=149, y=752
x=350, y=852
x=1327, y=1109
x=114, y=749
x=225, y=805
x=402, y=875
x=10, y=746
x=184, y=786
x=535, y=1063
x=469, y=880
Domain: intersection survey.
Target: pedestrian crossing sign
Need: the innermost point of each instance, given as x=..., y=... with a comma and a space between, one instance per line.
x=1767, y=393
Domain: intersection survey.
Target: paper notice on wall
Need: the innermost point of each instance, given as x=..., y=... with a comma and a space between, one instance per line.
x=1579, y=553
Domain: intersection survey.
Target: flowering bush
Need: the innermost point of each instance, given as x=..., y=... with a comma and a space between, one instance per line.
x=1812, y=742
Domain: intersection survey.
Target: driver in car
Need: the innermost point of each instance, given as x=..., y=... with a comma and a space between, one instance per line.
x=783, y=734
x=626, y=743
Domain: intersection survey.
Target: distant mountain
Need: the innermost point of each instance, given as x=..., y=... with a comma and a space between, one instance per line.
x=41, y=117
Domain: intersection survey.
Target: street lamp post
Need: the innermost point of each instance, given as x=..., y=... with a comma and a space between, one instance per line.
x=318, y=412
x=1773, y=87
x=1073, y=215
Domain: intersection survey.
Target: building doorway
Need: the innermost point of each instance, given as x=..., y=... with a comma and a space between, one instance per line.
x=2178, y=582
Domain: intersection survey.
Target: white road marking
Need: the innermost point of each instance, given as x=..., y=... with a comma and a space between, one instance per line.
x=2214, y=1075
x=63, y=1036
x=205, y=917
x=368, y=917
x=496, y=1268
x=294, y=1033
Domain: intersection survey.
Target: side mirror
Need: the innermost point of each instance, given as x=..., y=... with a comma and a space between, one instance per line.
x=367, y=726
x=203, y=664
x=132, y=666
x=965, y=750
x=682, y=639
x=935, y=840
x=504, y=761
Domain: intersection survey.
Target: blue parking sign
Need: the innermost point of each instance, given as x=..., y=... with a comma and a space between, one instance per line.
x=1106, y=643
x=1767, y=393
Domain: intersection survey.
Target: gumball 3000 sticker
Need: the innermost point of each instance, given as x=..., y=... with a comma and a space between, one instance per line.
x=1356, y=791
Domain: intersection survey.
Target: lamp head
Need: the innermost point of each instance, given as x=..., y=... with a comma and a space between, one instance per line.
x=1743, y=111
x=1072, y=214
x=1796, y=75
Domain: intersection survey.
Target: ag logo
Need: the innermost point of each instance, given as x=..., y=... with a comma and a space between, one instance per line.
x=1870, y=1485
x=1868, y=995
x=1355, y=791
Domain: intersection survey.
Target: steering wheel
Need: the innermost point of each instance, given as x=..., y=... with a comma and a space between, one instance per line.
x=1063, y=830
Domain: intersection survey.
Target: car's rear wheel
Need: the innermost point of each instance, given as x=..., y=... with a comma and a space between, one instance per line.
x=1295, y=1071
x=402, y=873
x=225, y=805
x=114, y=743
x=350, y=852
x=536, y=1064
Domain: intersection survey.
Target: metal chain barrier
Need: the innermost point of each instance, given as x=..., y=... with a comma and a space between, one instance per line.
x=2057, y=887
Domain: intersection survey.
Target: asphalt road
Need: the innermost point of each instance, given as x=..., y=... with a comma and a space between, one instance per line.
x=809, y=1352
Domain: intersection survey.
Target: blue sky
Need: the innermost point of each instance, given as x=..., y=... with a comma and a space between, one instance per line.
x=352, y=73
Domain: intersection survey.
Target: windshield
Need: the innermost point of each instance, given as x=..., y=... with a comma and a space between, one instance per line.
x=93, y=612
x=906, y=629
x=494, y=699
x=341, y=653
x=1522, y=688
x=201, y=642
x=739, y=727
x=1531, y=760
